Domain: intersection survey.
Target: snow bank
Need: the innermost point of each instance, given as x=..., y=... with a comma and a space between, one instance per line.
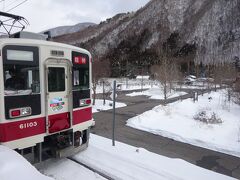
x=100, y=107
x=13, y=166
x=176, y=121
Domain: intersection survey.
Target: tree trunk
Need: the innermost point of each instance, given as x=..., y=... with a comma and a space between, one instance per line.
x=165, y=91
x=94, y=95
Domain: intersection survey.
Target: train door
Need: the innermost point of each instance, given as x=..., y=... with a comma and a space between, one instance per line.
x=58, y=95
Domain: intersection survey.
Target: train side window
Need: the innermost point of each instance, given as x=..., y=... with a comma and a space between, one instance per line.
x=56, y=79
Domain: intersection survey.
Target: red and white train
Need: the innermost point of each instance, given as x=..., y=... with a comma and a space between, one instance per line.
x=45, y=97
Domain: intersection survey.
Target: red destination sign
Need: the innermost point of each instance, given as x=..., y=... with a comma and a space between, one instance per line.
x=80, y=60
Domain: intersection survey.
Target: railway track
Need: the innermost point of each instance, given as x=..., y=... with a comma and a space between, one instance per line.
x=45, y=165
x=91, y=169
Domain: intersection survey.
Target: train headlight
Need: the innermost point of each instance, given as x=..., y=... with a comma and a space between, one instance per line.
x=26, y=111
x=20, y=112
x=85, y=102
x=82, y=102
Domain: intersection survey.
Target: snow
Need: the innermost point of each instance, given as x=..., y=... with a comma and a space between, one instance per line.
x=13, y=166
x=126, y=84
x=157, y=93
x=119, y=162
x=199, y=86
x=177, y=121
x=127, y=162
x=142, y=77
x=65, y=169
x=100, y=107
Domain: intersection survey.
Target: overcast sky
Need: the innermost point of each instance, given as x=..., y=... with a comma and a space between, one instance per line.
x=45, y=14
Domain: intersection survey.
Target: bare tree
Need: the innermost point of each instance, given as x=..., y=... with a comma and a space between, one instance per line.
x=236, y=89
x=166, y=73
x=224, y=73
x=217, y=75
x=100, y=70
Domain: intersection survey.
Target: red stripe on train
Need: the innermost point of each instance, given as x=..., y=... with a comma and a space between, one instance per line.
x=26, y=128
x=82, y=115
x=21, y=129
x=59, y=122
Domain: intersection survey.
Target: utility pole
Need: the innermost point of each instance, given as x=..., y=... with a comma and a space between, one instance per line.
x=113, y=123
x=104, y=97
x=127, y=75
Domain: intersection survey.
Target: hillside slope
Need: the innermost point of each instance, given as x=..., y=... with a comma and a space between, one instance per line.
x=208, y=29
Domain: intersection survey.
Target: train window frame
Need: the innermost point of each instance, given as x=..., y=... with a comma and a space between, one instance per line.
x=31, y=65
x=78, y=81
x=59, y=81
x=15, y=54
x=79, y=67
x=33, y=49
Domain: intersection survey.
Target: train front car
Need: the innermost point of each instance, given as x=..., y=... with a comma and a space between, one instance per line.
x=45, y=99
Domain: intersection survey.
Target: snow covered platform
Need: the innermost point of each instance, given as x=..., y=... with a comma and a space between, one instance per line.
x=127, y=162
x=120, y=162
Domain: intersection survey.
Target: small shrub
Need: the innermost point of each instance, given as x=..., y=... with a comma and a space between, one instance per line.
x=208, y=117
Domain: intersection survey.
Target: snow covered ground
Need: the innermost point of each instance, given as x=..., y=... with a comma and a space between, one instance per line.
x=198, y=86
x=137, y=84
x=157, y=93
x=100, y=107
x=177, y=121
x=65, y=169
x=126, y=163
x=124, y=84
x=120, y=162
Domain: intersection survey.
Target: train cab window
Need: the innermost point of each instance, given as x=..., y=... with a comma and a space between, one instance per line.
x=80, y=78
x=20, y=79
x=56, y=79
x=21, y=70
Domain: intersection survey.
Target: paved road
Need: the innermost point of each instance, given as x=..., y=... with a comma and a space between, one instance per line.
x=219, y=162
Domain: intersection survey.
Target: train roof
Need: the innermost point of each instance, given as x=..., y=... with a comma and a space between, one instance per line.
x=34, y=42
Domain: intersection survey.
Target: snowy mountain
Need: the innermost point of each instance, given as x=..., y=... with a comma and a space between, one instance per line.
x=57, y=31
x=203, y=31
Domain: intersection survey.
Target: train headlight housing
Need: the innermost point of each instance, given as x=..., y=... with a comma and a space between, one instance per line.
x=85, y=102
x=26, y=111
x=20, y=112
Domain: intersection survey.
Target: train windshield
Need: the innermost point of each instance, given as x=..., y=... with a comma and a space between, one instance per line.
x=21, y=79
x=20, y=70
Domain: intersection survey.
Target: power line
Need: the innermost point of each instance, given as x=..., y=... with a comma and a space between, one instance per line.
x=11, y=3
x=3, y=6
x=17, y=5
